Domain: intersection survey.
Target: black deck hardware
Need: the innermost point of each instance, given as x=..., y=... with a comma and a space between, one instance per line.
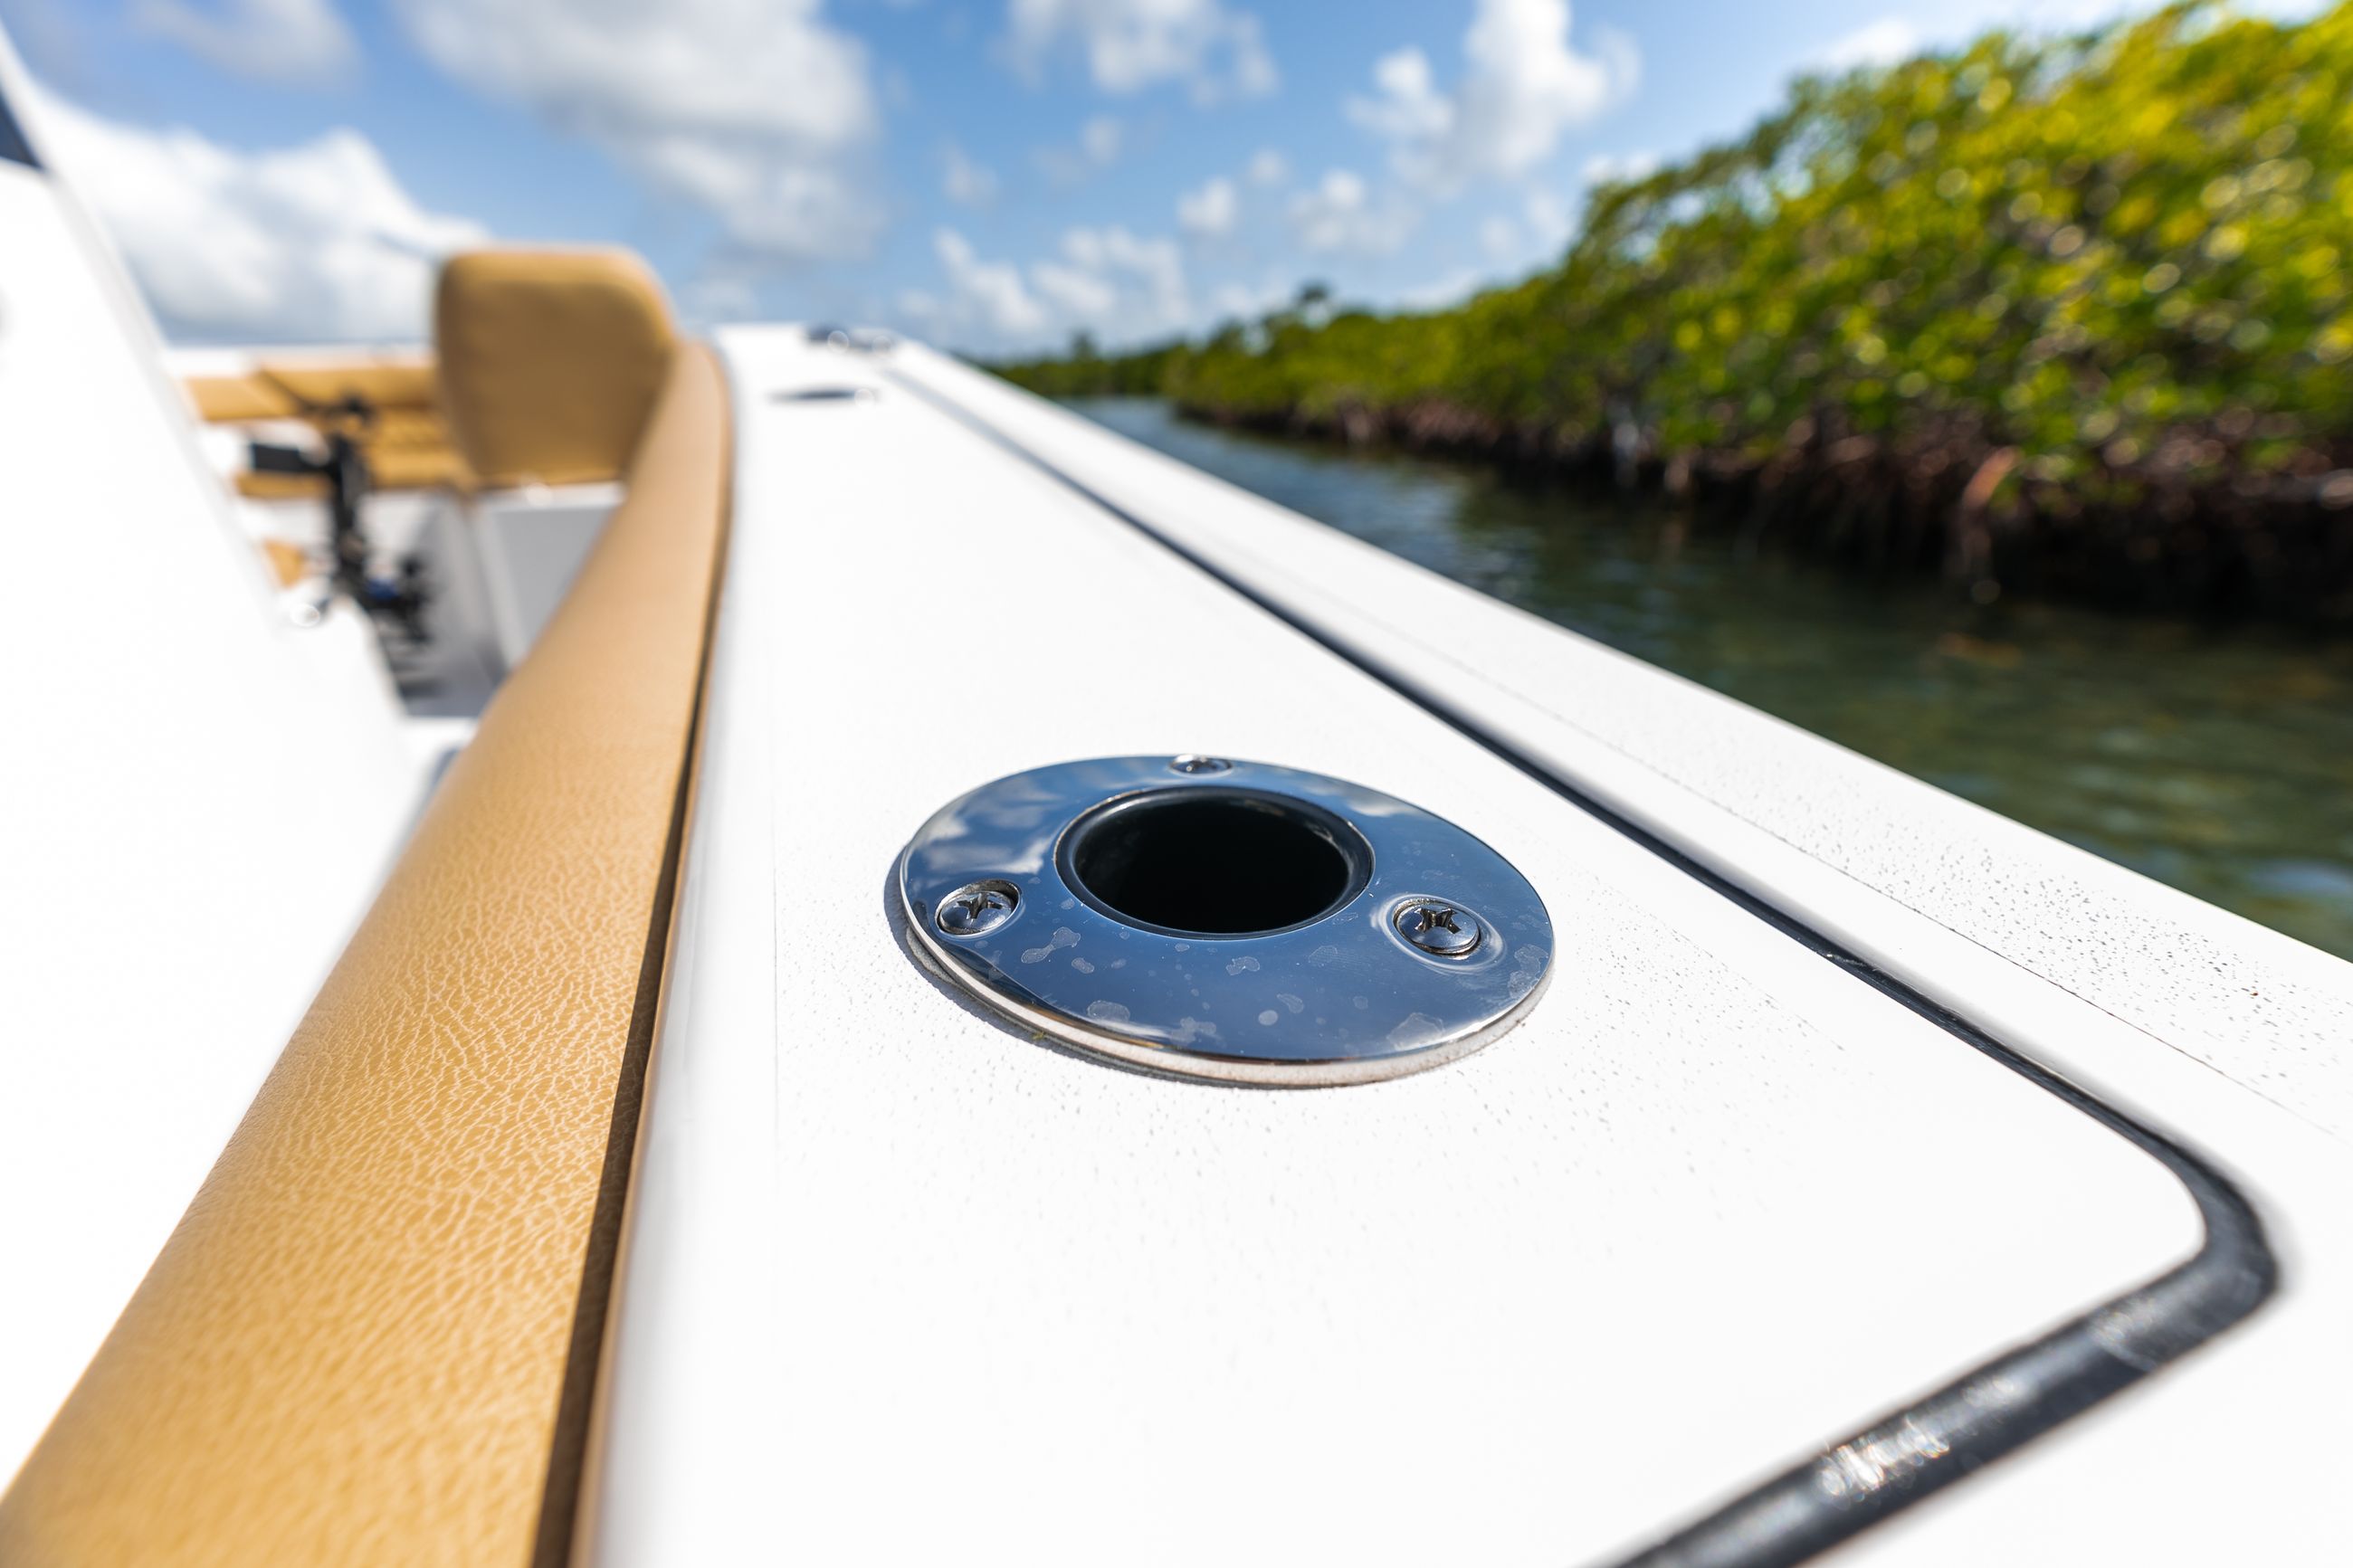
x=396, y=602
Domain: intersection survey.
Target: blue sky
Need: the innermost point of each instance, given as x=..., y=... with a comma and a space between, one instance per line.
x=993, y=175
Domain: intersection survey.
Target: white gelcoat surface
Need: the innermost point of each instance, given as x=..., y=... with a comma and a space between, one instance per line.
x=2226, y=1033
x=196, y=800
x=531, y=542
x=1733, y=784
x=902, y=1285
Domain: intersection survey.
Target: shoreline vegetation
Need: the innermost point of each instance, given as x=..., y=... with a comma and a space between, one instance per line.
x=2068, y=317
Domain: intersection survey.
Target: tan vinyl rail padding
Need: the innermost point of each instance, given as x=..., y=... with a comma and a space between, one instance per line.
x=364, y=1344
x=549, y=360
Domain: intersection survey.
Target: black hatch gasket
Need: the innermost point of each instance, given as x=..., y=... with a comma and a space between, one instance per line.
x=1997, y=1406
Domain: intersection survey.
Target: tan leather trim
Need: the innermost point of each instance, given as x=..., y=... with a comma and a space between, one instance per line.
x=355, y=1346
x=289, y=562
x=549, y=360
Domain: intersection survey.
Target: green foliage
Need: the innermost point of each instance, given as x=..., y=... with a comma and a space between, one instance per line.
x=1085, y=372
x=2122, y=254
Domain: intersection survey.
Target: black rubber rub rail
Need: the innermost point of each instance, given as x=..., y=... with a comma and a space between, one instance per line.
x=1996, y=1407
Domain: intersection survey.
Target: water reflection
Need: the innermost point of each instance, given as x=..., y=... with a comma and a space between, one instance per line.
x=2221, y=761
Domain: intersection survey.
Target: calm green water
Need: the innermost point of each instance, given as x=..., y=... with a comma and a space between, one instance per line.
x=2219, y=761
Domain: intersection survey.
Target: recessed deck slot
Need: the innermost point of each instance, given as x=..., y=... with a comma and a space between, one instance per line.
x=1216, y=862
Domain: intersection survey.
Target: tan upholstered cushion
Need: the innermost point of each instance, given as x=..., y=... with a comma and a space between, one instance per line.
x=550, y=360
x=406, y=443
x=237, y=399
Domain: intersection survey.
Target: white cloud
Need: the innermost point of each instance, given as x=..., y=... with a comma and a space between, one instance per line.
x=1341, y=215
x=1321, y=214
x=1523, y=85
x=299, y=41
x=317, y=241
x=1100, y=141
x=1883, y=42
x=1148, y=276
x=989, y=295
x=1614, y=168
x=1210, y=211
x=1410, y=107
x=753, y=110
x=1105, y=280
x=1130, y=45
x=1499, y=236
x=1268, y=167
x=1073, y=291
x=966, y=182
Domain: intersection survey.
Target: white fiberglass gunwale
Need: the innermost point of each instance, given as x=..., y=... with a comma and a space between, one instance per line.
x=900, y=1242
x=2184, y=1016
x=1927, y=885
x=201, y=795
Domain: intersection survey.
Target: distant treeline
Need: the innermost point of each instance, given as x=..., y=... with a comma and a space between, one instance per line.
x=1085, y=372
x=2068, y=314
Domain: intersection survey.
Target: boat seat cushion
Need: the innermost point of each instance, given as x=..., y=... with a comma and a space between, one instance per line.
x=550, y=360
x=405, y=440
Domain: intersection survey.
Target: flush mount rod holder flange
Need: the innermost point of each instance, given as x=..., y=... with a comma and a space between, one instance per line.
x=1226, y=919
